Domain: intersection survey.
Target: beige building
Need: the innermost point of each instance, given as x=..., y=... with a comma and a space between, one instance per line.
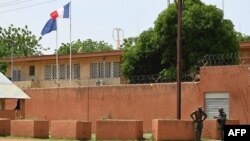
x=96, y=68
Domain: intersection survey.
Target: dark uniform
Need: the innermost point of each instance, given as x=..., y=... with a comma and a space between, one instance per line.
x=221, y=119
x=198, y=117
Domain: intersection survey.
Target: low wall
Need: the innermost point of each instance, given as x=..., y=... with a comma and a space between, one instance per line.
x=181, y=130
x=142, y=102
x=30, y=128
x=119, y=130
x=211, y=128
x=71, y=129
x=4, y=127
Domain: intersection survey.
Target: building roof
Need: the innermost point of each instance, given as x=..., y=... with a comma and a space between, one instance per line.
x=74, y=56
x=245, y=46
x=8, y=90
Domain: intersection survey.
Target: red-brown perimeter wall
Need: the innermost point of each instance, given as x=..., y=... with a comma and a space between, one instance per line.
x=232, y=79
x=142, y=102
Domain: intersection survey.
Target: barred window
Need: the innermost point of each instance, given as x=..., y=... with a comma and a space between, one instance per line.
x=107, y=69
x=53, y=72
x=100, y=70
x=75, y=71
x=67, y=70
x=94, y=70
x=48, y=72
x=63, y=70
x=116, y=69
x=16, y=75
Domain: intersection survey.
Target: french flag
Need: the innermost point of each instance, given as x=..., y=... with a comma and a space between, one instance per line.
x=61, y=13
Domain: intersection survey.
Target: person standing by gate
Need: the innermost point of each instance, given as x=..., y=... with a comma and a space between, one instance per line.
x=221, y=119
x=198, y=117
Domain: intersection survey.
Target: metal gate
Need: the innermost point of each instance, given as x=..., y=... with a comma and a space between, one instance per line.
x=214, y=101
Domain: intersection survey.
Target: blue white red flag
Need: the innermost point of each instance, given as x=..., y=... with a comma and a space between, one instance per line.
x=49, y=26
x=61, y=13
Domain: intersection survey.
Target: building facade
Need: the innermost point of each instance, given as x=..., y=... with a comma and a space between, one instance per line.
x=87, y=69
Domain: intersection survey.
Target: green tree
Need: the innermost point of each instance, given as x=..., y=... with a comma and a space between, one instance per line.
x=84, y=46
x=204, y=32
x=3, y=66
x=242, y=37
x=16, y=41
x=138, y=49
x=19, y=40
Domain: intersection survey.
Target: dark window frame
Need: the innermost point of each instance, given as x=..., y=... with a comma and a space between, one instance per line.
x=32, y=70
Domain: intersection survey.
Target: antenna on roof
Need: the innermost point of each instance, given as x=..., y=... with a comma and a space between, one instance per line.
x=118, y=38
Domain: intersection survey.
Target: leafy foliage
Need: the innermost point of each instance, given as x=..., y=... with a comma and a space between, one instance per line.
x=16, y=41
x=3, y=67
x=84, y=46
x=20, y=40
x=204, y=31
x=242, y=37
x=138, y=49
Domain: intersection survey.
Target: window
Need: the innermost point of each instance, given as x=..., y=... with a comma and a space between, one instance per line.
x=100, y=70
x=214, y=101
x=47, y=72
x=116, y=69
x=63, y=70
x=16, y=75
x=75, y=71
x=31, y=70
x=94, y=70
x=107, y=69
x=104, y=70
x=50, y=72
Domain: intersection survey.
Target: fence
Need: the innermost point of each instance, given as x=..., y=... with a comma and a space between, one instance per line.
x=224, y=59
x=190, y=76
x=157, y=78
x=193, y=74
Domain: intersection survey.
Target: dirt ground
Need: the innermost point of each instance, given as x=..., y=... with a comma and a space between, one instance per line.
x=7, y=139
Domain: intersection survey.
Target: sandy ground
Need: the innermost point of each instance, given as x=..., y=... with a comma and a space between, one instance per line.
x=20, y=140
x=2, y=139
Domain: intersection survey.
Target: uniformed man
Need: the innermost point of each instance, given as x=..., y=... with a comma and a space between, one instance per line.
x=198, y=117
x=221, y=119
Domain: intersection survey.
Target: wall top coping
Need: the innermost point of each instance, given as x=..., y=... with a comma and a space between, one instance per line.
x=119, y=120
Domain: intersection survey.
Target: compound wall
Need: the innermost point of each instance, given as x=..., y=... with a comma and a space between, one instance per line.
x=141, y=102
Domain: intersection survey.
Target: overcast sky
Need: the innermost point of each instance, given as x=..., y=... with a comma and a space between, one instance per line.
x=96, y=19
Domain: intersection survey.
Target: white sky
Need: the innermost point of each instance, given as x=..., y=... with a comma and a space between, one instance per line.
x=95, y=19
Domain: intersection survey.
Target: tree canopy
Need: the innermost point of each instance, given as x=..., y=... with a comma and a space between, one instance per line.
x=242, y=37
x=204, y=31
x=20, y=40
x=84, y=46
x=16, y=41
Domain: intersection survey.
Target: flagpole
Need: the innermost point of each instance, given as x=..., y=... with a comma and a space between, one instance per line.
x=57, y=72
x=223, y=8
x=70, y=40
